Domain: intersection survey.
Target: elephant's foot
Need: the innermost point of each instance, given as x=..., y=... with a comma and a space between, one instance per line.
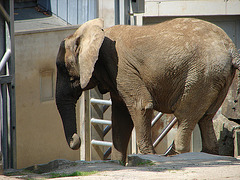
x=118, y=156
x=146, y=148
x=147, y=151
x=171, y=151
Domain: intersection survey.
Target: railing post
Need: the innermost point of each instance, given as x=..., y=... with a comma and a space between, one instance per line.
x=85, y=128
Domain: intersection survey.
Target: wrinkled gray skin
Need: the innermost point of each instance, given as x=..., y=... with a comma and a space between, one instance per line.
x=183, y=66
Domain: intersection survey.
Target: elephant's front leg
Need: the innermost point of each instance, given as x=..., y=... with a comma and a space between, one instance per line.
x=122, y=126
x=142, y=113
x=140, y=106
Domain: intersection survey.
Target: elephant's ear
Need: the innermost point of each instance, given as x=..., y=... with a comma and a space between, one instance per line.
x=88, y=42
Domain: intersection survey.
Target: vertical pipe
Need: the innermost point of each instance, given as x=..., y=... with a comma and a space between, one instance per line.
x=85, y=128
x=11, y=88
x=117, y=12
x=4, y=130
x=2, y=39
x=122, y=12
x=2, y=92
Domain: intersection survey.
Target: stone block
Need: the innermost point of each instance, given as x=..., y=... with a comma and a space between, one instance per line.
x=237, y=143
x=138, y=159
x=225, y=130
x=231, y=105
x=44, y=168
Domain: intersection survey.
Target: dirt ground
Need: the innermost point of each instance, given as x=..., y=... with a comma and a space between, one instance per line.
x=183, y=166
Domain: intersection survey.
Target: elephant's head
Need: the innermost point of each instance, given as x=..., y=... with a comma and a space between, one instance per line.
x=76, y=58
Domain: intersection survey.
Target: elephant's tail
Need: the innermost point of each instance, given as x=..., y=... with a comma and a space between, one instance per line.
x=236, y=64
x=235, y=58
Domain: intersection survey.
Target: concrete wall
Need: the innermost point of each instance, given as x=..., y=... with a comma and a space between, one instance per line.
x=190, y=8
x=106, y=11
x=39, y=131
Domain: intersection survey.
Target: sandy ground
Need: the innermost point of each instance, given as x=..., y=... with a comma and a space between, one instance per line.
x=184, y=166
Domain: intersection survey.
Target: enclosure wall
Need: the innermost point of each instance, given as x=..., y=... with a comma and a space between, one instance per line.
x=40, y=135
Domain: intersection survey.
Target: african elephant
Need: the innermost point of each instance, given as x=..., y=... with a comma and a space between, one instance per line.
x=182, y=66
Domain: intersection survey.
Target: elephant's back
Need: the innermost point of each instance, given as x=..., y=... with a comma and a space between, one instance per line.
x=171, y=28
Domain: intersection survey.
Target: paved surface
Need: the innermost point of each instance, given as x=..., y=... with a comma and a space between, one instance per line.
x=184, y=166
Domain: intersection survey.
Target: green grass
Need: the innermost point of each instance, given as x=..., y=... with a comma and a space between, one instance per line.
x=122, y=163
x=146, y=163
x=18, y=173
x=77, y=173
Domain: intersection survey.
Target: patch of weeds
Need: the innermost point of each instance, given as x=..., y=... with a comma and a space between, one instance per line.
x=122, y=163
x=173, y=170
x=18, y=173
x=13, y=173
x=146, y=163
x=77, y=173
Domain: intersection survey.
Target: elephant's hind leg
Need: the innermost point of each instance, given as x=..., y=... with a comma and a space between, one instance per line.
x=190, y=111
x=209, y=140
x=183, y=136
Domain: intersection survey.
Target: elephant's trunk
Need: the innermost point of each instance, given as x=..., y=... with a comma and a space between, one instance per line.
x=67, y=111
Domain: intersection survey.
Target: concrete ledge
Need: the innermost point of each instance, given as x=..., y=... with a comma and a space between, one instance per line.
x=237, y=143
x=44, y=168
x=226, y=131
x=62, y=28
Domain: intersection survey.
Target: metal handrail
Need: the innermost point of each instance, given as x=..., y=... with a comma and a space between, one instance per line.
x=4, y=13
x=101, y=121
x=109, y=124
x=165, y=131
x=101, y=101
x=106, y=104
x=156, y=118
x=5, y=58
x=101, y=143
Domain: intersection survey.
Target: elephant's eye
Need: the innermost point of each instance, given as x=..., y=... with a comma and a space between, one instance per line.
x=74, y=81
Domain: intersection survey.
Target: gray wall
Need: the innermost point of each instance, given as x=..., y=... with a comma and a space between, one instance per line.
x=40, y=135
